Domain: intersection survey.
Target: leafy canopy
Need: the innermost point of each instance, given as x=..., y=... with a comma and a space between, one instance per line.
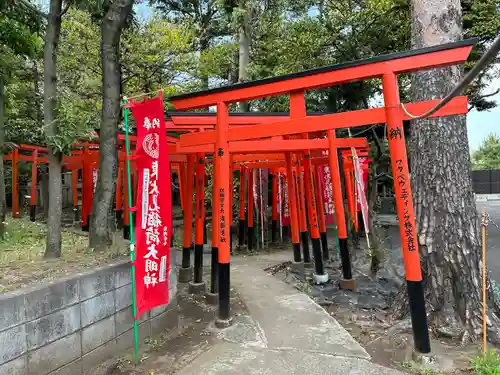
x=488, y=154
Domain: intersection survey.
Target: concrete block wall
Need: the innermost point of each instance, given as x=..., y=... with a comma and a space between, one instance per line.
x=72, y=325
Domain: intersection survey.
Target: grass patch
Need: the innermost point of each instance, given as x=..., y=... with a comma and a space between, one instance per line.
x=416, y=369
x=22, y=250
x=489, y=365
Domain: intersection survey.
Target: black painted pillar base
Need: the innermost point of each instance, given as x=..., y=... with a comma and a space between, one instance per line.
x=119, y=218
x=198, y=264
x=214, y=271
x=286, y=233
x=274, y=231
x=76, y=217
x=241, y=233
x=126, y=228
x=185, y=274
x=324, y=246
x=224, y=318
x=418, y=316
x=251, y=233
x=197, y=288
x=205, y=235
x=212, y=298
x=318, y=256
x=126, y=231
x=86, y=227
x=296, y=253
x=304, y=239
x=33, y=212
x=345, y=259
x=186, y=257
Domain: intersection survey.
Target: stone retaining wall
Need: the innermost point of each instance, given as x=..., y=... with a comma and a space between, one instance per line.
x=71, y=325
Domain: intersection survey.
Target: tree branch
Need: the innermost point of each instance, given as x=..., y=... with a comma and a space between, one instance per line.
x=33, y=8
x=490, y=94
x=66, y=8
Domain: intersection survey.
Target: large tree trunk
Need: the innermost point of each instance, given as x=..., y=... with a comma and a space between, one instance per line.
x=53, y=248
x=3, y=205
x=244, y=51
x=102, y=223
x=204, y=45
x=446, y=214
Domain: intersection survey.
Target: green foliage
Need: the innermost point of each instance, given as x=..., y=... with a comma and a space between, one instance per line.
x=489, y=365
x=18, y=37
x=488, y=154
x=155, y=55
x=217, y=61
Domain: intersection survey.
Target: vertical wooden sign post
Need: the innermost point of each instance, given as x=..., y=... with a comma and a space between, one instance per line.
x=221, y=213
x=406, y=214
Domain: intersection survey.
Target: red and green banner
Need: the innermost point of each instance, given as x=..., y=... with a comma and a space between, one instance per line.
x=285, y=210
x=153, y=206
x=327, y=191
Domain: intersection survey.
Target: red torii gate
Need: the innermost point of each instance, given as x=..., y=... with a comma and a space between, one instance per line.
x=385, y=67
x=207, y=118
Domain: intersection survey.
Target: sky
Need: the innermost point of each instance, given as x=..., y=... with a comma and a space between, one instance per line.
x=482, y=124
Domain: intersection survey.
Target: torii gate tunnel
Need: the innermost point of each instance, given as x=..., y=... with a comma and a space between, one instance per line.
x=386, y=67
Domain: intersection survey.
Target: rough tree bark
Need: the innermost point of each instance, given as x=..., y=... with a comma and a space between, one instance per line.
x=244, y=50
x=446, y=214
x=204, y=45
x=3, y=205
x=53, y=248
x=102, y=223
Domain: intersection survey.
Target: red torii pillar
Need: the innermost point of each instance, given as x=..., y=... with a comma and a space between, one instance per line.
x=250, y=228
x=241, y=223
x=222, y=186
x=406, y=214
x=292, y=206
x=304, y=238
x=15, y=183
x=33, y=185
x=198, y=286
x=274, y=217
x=298, y=110
x=186, y=271
x=213, y=296
x=321, y=215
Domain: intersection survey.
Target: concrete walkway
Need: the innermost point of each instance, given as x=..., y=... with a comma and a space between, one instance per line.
x=285, y=332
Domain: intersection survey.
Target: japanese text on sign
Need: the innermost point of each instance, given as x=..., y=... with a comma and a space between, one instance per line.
x=409, y=229
x=153, y=227
x=286, y=209
x=328, y=192
x=222, y=217
x=313, y=201
x=153, y=205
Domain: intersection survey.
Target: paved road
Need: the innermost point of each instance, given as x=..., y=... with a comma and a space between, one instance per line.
x=493, y=239
x=492, y=208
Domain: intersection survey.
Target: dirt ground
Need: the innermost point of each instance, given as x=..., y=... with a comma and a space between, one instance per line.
x=165, y=355
x=21, y=254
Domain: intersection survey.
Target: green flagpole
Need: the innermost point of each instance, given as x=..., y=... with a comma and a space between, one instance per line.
x=132, y=231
